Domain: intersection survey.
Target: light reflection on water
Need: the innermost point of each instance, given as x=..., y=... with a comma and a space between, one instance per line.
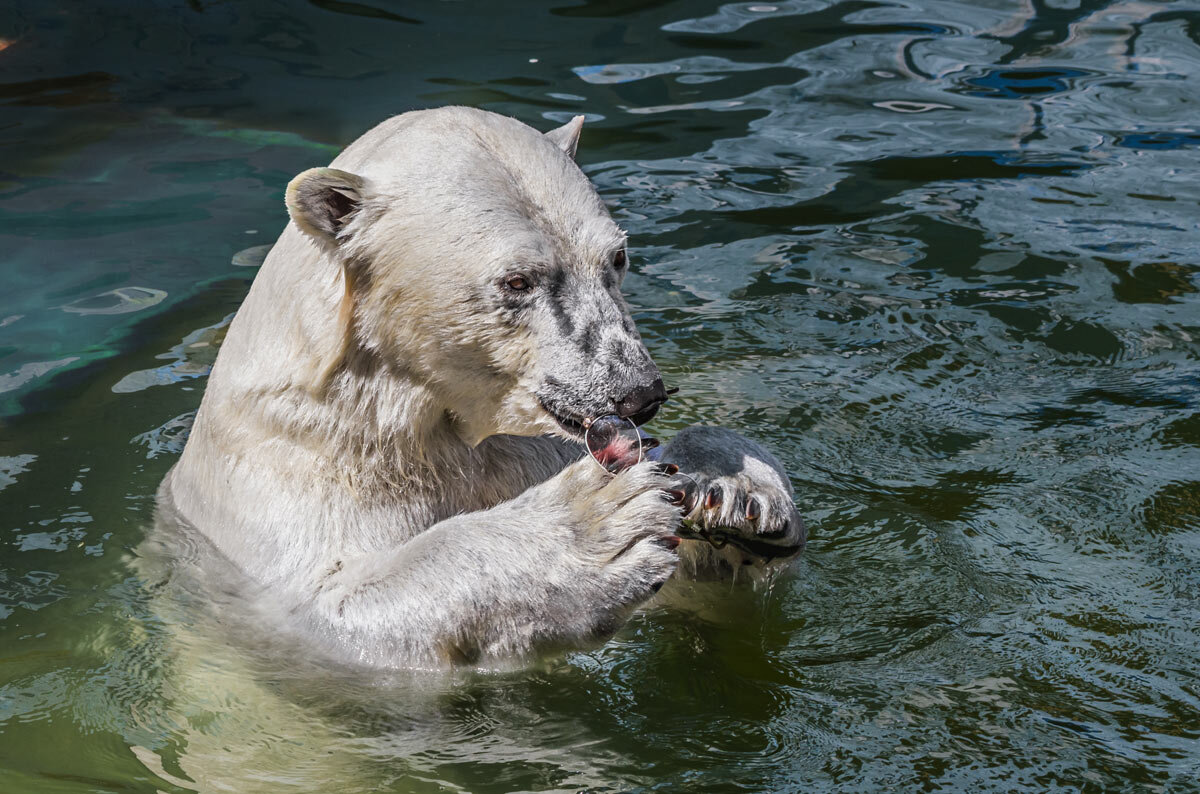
x=942, y=256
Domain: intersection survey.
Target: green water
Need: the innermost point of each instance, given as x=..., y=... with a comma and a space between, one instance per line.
x=942, y=256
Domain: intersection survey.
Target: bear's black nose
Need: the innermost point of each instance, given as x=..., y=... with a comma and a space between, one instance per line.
x=641, y=404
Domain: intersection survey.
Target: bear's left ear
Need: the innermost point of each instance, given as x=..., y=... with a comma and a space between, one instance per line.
x=322, y=200
x=567, y=136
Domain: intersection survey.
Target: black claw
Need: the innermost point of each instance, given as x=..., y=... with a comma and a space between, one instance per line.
x=675, y=496
x=752, y=509
x=669, y=469
x=713, y=497
x=670, y=542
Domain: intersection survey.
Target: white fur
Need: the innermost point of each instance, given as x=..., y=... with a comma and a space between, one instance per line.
x=372, y=448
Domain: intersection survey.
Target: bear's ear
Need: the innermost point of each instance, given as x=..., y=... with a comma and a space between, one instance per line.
x=322, y=200
x=566, y=137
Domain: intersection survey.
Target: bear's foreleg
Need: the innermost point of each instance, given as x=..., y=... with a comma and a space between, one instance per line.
x=562, y=565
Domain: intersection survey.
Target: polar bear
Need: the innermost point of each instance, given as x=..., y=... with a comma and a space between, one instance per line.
x=389, y=442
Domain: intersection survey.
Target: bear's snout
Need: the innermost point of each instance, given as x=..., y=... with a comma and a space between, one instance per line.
x=642, y=403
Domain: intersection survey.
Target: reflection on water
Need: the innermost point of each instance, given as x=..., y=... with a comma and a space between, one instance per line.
x=941, y=255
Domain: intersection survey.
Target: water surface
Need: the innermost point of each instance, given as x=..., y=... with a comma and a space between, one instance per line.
x=941, y=256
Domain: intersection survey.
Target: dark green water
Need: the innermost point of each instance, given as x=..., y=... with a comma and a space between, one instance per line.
x=942, y=256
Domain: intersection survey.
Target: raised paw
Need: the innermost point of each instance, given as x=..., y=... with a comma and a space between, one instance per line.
x=624, y=538
x=638, y=533
x=739, y=497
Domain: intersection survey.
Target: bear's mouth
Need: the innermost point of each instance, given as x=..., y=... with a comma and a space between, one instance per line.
x=571, y=425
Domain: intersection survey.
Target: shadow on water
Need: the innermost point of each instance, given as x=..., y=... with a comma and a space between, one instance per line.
x=940, y=256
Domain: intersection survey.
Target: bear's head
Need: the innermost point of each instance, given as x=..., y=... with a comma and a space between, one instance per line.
x=479, y=261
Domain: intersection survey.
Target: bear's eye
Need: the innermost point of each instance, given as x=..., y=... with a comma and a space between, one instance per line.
x=518, y=283
x=619, y=260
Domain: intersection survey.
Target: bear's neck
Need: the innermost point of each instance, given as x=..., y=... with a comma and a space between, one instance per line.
x=388, y=429
x=290, y=375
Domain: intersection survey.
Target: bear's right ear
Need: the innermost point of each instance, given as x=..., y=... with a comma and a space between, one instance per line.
x=566, y=137
x=321, y=201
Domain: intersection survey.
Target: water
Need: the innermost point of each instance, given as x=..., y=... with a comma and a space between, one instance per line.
x=941, y=256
